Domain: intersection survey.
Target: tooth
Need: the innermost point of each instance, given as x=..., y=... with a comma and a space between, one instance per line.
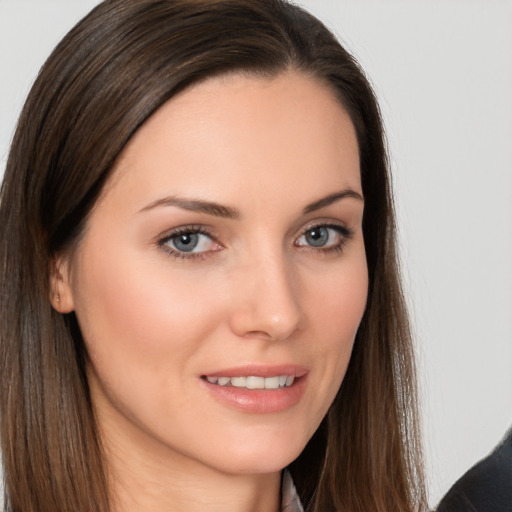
x=238, y=382
x=271, y=382
x=255, y=382
x=223, y=381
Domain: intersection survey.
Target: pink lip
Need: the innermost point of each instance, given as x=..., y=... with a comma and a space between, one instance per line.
x=259, y=401
x=260, y=370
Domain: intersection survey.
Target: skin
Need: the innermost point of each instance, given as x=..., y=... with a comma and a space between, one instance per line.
x=256, y=290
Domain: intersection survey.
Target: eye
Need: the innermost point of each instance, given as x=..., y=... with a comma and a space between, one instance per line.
x=189, y=242
x=325, y=237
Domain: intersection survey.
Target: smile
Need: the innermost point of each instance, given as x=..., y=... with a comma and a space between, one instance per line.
x=254, y=382
x=258, y=394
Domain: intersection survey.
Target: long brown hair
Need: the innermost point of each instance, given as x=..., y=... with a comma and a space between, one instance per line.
x=102, y=82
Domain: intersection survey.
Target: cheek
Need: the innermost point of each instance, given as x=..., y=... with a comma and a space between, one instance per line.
x=346, y=316
x=145, y=330
x=137, y=319
x=336, y=309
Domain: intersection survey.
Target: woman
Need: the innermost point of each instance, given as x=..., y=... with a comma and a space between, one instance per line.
x=201, y=299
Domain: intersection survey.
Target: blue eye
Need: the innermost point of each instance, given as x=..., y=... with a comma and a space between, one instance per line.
x=189, y=242
x=324, y=237
x=317, y=237
x=185, y=242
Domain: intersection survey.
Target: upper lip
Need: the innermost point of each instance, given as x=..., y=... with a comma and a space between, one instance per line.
x=260, y=370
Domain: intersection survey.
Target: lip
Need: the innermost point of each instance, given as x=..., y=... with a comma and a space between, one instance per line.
x=259, y=401
x=259, y=370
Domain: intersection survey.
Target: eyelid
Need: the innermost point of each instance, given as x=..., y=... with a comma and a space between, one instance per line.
x=201, y=229
x=343, y=230
x=186, y=228
x=327, y=223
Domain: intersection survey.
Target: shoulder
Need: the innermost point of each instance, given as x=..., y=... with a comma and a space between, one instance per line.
x=487, y=486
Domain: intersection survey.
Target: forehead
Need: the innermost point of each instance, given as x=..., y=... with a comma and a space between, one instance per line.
x=248, y=133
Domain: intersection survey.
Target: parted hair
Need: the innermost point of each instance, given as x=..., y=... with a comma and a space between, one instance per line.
x=108, y=75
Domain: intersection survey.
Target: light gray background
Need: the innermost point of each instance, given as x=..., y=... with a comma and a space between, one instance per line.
x=443, y=72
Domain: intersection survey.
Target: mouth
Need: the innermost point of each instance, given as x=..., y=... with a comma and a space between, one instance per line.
x=258, y=388
x=253, y=381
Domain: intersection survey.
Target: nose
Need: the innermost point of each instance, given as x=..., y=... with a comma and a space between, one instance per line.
x=267, y=300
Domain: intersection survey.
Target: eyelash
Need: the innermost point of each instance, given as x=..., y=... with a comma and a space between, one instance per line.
x=186, y=230
x=344, y=232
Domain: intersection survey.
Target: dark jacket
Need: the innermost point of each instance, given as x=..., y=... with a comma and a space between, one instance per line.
x=487, y=486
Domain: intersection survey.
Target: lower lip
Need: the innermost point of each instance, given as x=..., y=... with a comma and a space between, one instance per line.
x=259, y=401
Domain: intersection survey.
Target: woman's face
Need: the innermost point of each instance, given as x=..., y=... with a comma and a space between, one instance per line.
x=225, y=254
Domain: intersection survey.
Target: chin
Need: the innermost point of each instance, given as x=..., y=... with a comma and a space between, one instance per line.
x=259, y=456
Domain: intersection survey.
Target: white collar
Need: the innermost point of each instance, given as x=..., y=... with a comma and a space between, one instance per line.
x=291, y=501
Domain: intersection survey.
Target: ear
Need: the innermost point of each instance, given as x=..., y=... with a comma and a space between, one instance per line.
x=61, y=293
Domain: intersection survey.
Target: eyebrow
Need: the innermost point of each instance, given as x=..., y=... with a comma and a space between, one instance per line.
x=332, y=198
x=196, y=205
x=227, y=212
